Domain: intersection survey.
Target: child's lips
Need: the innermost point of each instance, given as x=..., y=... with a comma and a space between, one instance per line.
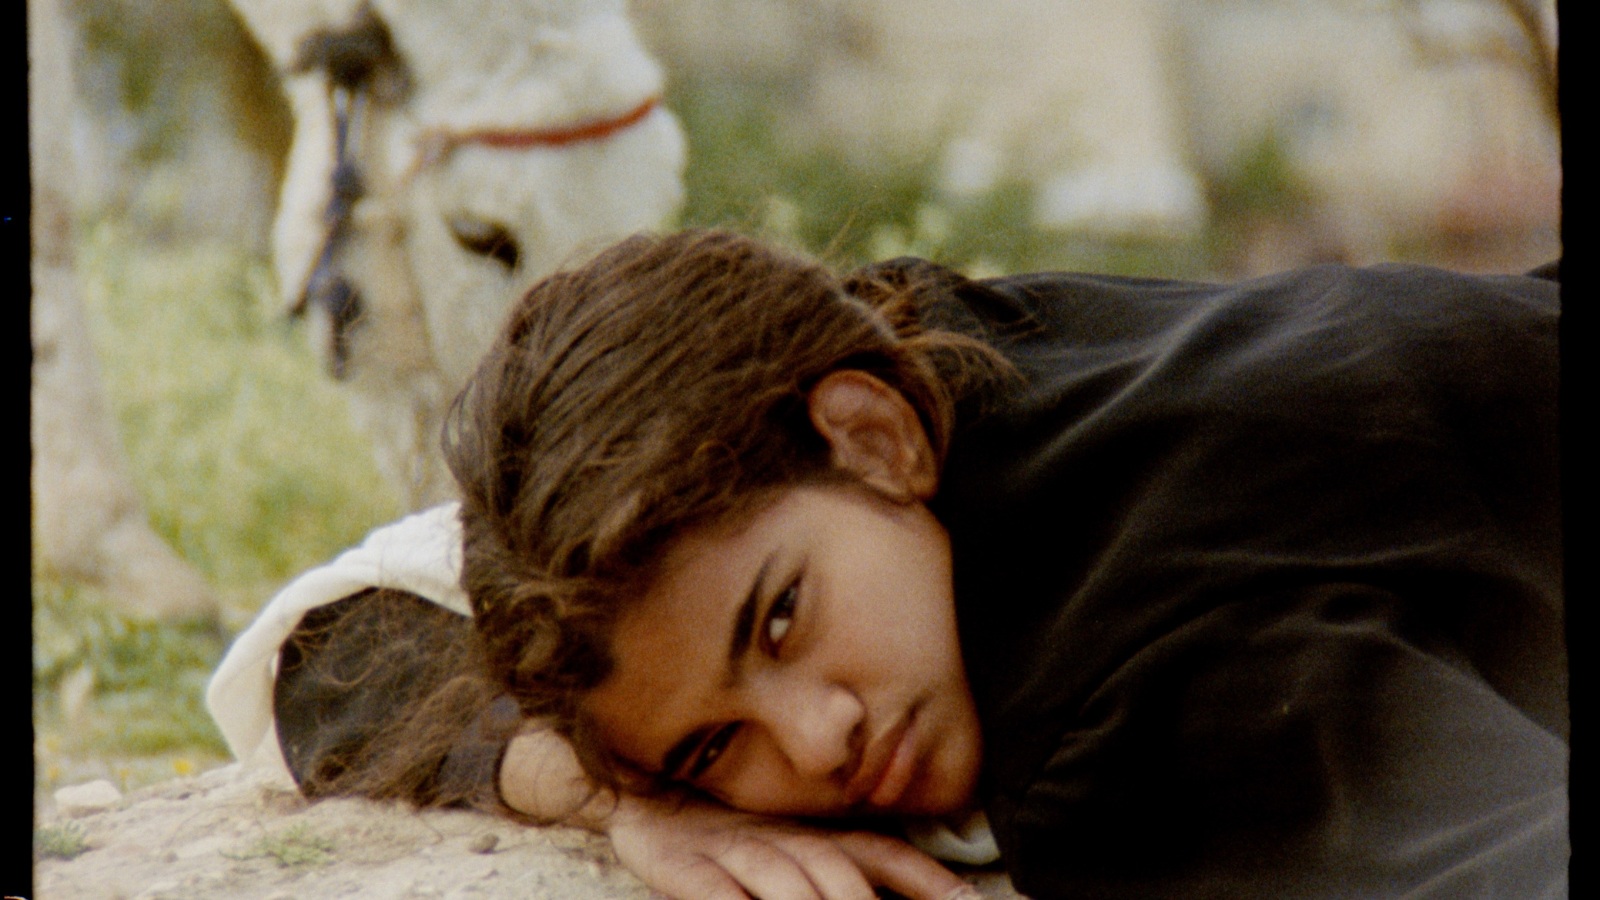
x=887, y=768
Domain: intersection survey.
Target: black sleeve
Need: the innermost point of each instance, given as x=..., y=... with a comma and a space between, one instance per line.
x=1300, y=746
x=364, y=667
x=1260, y=587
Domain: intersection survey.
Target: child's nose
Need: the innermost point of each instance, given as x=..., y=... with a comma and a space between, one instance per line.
x=820, y=729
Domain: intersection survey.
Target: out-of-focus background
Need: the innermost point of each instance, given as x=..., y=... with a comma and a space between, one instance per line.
x=1186, y=138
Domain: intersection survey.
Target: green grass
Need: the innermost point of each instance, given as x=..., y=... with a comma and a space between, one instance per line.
x=294, y=846
x=248, y=466
x=243, y=449
x=145, y=680
x=63, y=841
x=743, y=174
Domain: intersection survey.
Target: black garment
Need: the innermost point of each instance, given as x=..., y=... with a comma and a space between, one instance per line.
x=1258, y=585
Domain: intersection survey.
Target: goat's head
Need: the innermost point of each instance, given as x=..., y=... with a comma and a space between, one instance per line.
x=448, y=155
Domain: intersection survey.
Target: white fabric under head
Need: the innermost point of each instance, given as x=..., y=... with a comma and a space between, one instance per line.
x=420, y=554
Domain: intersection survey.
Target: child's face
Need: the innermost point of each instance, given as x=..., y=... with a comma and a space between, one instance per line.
x=804, y=662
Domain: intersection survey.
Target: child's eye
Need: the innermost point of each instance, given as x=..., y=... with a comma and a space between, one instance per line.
x=711, y=750
x=781, y=616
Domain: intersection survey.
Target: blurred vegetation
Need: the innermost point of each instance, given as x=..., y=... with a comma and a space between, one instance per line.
x=246, y=455
x=155, y=67
x=1262, y=187
x=292, y=847
x=743, y=174
x=183, y=130
x=63, y=841
x=249, y=467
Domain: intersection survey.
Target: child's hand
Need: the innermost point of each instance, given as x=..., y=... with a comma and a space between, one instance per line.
x=697, y=850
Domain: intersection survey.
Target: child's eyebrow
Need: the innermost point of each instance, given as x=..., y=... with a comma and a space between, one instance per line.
x=744, y=623
x=744, y=626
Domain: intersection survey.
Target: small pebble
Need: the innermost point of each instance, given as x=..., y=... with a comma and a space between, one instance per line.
x=82, y=799
x=484, y=843
x=161, y=890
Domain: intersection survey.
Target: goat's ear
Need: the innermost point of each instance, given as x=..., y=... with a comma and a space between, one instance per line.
x=874, y=433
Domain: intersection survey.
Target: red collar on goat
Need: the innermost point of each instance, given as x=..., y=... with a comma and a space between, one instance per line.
x=436, y=145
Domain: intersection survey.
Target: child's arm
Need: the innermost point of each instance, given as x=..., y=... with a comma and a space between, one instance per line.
x=693, y=848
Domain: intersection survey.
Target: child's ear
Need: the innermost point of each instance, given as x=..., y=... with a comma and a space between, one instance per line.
x=874, y=433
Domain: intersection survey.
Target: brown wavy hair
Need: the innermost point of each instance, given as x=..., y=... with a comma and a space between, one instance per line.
x=660, y=385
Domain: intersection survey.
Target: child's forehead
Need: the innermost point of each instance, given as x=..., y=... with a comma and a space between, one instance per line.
x=716, y=552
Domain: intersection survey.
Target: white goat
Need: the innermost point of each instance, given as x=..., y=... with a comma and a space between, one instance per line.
x=445, y=156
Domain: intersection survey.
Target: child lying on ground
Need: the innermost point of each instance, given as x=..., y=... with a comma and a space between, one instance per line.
x=1167, y=588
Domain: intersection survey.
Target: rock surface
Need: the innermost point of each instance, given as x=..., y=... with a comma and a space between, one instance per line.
x=236, y=833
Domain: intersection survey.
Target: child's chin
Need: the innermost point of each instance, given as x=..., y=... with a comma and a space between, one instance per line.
x=955, y=796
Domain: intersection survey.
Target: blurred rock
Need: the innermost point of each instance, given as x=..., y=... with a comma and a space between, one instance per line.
x=80, y=800
x=1422, y=129
x=88, y=522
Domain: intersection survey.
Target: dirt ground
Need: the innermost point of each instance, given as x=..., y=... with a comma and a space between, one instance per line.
x=236, y=833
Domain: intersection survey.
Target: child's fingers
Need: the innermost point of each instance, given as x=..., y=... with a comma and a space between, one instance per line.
x=833, y=872
x=770, y=871
x=708, y=852
x=699, y=879
x=902, y=868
